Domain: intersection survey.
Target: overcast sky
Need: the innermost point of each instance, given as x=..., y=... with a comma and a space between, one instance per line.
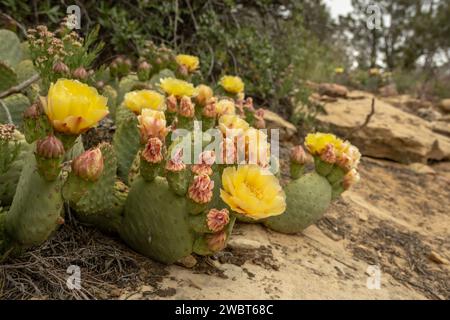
x=339, y=7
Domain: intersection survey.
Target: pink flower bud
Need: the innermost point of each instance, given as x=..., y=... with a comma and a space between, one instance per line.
x=206, y=160
x=186, y=107
x=80, y=73
x=172, y=105
x=89, y=165
x=260, y=123
x=153, y=151
x=328, y=154
x=33, y=111
x=352, y=177
x=201, y=189
x=50, y=147
x=217, y=219
x=176, y=164
x=298, y=155
x=209, y=111
x=60, y=67
x=216, y=241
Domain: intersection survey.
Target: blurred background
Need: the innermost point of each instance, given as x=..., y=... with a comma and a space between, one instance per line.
x=275, y=45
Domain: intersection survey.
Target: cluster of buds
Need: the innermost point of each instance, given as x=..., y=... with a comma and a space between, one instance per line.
x=160, y=57
x=120, y=67
x=252, y=115
x=45, y=47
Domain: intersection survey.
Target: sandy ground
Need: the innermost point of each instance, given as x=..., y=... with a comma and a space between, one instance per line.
x=396, y=219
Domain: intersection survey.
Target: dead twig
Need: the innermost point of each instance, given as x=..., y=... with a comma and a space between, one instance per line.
x=20, y=86
x=365, y=123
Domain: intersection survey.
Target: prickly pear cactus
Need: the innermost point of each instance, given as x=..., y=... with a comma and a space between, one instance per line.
x=37, y=208
x=12, y=108
x=13, y=150
x=10, y=48
x=8, y=76
x=308, y=196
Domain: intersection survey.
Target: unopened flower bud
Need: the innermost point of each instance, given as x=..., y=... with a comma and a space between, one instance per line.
x=298, y=155
x=186, y=107
x=89, y=165
x=209, y=111
x=206, y=160
x=201, y=189
x=153, y=151
x=328, y=154
x=172, y=104
x=50, y=147
x=80, y=73
x=352, y=177
x=33, y=111
x=204, y=93
x=216, y=241
x=216, y=220
x=60, y=68
x=176, y=164
x=143, y=71
x=260, y=123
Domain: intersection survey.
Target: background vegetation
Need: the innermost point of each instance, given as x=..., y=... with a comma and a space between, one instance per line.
x=274, y=45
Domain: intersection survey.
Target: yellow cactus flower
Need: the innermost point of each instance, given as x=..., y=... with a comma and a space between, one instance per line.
x=188, y=61
x=225, y=106
x=73, y=107
x=252, y=191
x=232, y=84
x=144, y=99
x=339, y=70
x=177, y=87
x=345, y=154
x=232, y=122
x=316, y=143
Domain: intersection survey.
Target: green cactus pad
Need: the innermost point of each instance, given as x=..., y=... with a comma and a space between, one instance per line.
x=8, y=77
x=307, y=199
x=126, y=145
x=156, y=222
x=36, y=209
x=10, y=48
x=9, y=176
x=13, y=106
x=92, y=197
x=111, y=94
x=25, y=70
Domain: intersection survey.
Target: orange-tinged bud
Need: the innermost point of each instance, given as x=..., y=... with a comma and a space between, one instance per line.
x=172, y=104
x=201, y=189
x=60, y=68
x=186, y=107
x=89, y=165
x=153, y=151
x=298, y=155
x=216, y=241
x=80, y=73
x=216, y=219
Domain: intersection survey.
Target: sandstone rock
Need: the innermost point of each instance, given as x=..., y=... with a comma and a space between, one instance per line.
x=445, y=105
x=333, y=90
x=428, y=114
x=421, y=168
x=243, y=243
x=437, y=258
x=388, y=91
x=187, y=262
x=441, y=127
x=274, y=121
x=391, y=133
